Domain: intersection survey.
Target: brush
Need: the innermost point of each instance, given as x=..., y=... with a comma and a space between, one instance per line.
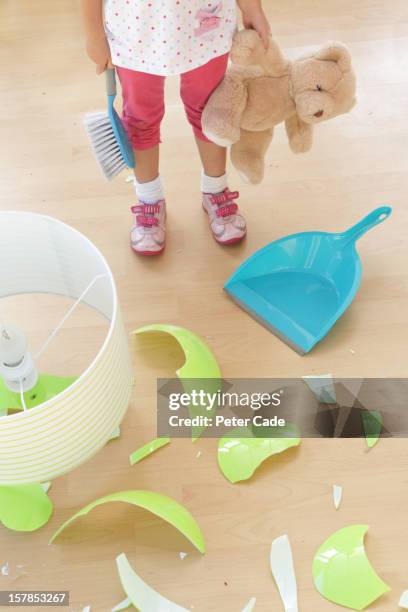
x=110, y=143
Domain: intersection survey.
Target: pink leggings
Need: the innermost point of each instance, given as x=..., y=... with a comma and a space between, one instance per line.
x=143, y=100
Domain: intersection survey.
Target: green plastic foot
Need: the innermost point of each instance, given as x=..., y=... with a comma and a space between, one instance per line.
x=24, y=507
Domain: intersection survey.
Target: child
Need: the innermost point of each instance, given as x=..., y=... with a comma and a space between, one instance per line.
x=147, y=40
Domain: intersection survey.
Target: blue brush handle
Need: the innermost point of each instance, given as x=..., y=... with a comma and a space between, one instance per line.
x=119, y=131
x=374, y=218
x=110, y=76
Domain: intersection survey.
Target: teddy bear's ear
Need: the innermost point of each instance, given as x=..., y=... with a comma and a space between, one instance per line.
x=336, y=52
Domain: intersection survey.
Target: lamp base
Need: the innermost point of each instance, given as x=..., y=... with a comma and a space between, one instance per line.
x=47, y=386
x=28, y=507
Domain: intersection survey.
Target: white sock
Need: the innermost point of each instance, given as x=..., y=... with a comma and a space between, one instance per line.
x=150, y=192
x=213, y=184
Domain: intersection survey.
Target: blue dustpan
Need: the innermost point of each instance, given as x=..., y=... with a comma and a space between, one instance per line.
x=299, y=285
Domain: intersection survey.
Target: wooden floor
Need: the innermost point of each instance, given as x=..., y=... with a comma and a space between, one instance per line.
x=358, y=162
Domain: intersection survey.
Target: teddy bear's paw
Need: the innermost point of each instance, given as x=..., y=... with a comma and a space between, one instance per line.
x=244, y=178
x=300, y=143
x=251, y=171
x=254, y=178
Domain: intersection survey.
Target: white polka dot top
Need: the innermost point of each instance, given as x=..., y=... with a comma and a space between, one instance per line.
x=168, y=37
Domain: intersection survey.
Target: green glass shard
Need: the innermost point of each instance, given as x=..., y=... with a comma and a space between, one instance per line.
x=342, y=572
x=243, y=451
x=162, y=506
x=147, y=449
x=372, y=424
x=200, y=364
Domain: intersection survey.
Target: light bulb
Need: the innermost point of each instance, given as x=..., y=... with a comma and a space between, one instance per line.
x=13, y=345
x=16, y=365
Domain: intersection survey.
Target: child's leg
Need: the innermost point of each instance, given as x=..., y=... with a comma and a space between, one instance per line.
x=227, y=225
x=143, y=110
x=196, y=87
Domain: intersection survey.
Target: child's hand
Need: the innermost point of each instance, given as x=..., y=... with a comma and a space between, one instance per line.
x=98, y=51
x=253, y=18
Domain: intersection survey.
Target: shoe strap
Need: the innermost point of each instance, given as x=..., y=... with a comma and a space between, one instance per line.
x=145, y=214
x=227, y=211
x=146, y=209
x=226, y=207
x=224, y=197
x=142, y=221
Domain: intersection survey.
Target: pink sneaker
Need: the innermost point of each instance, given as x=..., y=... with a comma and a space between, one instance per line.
x=227, y=224
x=148, y=235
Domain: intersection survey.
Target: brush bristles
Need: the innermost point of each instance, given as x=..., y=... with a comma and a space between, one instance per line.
x=104, y=144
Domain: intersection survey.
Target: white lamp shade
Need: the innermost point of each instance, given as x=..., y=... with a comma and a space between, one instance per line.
x=40, y=254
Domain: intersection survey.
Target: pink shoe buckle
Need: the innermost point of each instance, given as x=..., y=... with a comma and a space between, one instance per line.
x=227, y=211
x=225, y=196
x=146, y=209
x=143, y=221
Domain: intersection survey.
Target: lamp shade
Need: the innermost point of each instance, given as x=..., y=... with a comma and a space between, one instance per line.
x=39, y=254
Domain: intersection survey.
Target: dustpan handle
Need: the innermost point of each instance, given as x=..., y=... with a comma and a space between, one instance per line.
x=110, y=76
x=374, y=218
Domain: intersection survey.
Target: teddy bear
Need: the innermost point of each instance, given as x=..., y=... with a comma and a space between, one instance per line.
x=262, y=88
